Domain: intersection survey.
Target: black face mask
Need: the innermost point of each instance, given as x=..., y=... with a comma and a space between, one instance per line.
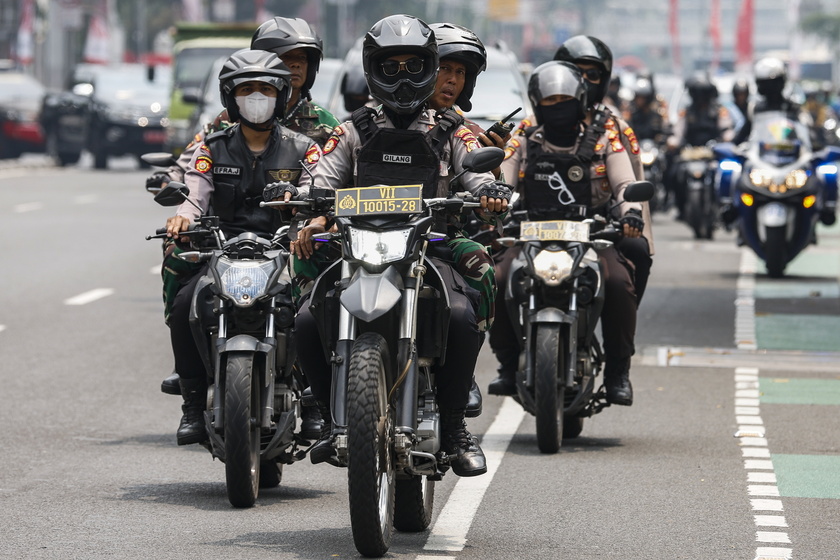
x=594, y=94
x=561, y=122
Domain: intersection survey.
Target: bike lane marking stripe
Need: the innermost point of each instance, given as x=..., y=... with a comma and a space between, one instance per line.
x=761, y=485
x=745, y=303
x=2, y=328
x=449, y=533
x=89, y=297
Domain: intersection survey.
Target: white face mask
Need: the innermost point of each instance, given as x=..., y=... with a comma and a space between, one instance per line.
x=256, y=108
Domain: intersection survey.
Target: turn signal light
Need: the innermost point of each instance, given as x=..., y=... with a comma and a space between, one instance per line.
x=809, y=201
x=747, y=199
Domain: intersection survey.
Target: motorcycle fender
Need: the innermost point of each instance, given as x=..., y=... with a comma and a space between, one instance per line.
x=774, y=214
x=244, y=343
x=550, y=315
x=369, y=296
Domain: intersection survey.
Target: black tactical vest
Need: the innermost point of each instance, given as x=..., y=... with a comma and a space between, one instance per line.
x=239, y=178
x=556, y=186
x=391, y=156
x=701, y=127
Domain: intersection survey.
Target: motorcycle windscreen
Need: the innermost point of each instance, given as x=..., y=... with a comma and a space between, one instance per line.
x=779, y=139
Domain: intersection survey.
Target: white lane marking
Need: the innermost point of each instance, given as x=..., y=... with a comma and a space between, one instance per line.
x=155, y=269
x=28, y=207
x=88, y=297
x=86, y=199
x=761, y=478
x=2, y=328
x=449, y=533
x=745, y=303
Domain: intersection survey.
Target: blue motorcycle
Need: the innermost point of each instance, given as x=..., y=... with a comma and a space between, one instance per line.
x=779, y=186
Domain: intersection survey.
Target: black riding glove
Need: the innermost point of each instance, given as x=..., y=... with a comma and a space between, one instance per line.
x=633, y=218
x=495, y=190
x=275, y=191
x=157, y=181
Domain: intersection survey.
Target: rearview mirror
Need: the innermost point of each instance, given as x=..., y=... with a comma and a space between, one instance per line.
x=639, y=191
x=484, y=159
x=173, y=194
x=158, y=159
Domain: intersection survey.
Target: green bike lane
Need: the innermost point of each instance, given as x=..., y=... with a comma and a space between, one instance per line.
x=800, y=406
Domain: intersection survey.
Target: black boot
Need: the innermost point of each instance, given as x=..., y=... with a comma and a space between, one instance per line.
x=311, y=422
x=505, y=383
x=465, y=456
x=474, y=403
x=192, y=428
x=171, y=385
x=617, y=382
x=323, y=451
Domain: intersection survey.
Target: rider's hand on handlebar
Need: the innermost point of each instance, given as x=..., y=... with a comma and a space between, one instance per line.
x=175, y=225
x=302, y=247
x=494, y=197
x=632, y=223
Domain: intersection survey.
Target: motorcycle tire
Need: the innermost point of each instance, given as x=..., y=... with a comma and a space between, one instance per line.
x=414, y=502
x=775, y=252
x=370, y=431
x=696, y=211
x=549, y=389
x=242, y=430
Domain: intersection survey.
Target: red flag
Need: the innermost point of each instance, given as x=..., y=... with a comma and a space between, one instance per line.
x=744, y=38
x=25, y=50
x=674, y=28
x=714, y=32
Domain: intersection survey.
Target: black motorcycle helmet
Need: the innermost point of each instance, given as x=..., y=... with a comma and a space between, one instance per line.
x=462, y=45
x=281, y=35
x=404, y=93
x=354, y=88
x=700, y=88
x=740, y=87
x=643, y=89
x=556, y=77
x=254, y=65
x=586, y=49
x=770, y=76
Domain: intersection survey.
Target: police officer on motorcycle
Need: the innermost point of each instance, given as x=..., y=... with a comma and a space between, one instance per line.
x=595, y=60
x=645, y=117
x=400, y=57
x=229, y=172
x=703, y=121
x=590, y=177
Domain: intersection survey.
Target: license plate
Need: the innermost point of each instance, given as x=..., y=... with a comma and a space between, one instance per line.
x=154, y=136
x=555, y=230
x=368, y=201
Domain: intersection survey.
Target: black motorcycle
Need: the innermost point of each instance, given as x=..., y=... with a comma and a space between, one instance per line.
x=241, y=318
x=383, y=310
x=555, y=286
x=697, y=178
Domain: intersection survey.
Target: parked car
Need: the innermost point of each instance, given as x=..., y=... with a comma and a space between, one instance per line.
x=20, y=130
x=109, y=110
x=207, y=100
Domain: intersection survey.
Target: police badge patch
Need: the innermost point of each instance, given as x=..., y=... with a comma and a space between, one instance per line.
x=313, y=154
x=576, y=173
x=203, y=164
x=286, y=175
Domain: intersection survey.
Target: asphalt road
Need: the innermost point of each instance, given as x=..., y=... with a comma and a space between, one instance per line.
x=89, y=467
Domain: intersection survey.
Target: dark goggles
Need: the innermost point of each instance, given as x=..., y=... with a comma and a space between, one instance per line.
x=592, y=74
x=391, y=67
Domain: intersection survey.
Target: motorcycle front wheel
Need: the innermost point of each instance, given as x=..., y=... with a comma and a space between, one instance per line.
x=370, y=463
x=549, y=389
x=242, y=430
x=775, y=251
x=415, y=500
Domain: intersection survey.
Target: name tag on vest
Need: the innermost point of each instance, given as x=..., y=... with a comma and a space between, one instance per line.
x=391, y=158
x=225, y=170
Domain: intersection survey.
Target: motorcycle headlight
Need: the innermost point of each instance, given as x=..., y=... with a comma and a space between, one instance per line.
x=761, y=178
x=552, y=267
x=796, y=179
x=378, y=247
x=244, y=282
x=647, y=158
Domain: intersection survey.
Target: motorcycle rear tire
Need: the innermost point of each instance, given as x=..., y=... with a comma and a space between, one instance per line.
x=414, y=502
x=698, y=214
x=572, y=427
x=775, y=252
x=370, y=462
x=549, y=389
x=242, y=430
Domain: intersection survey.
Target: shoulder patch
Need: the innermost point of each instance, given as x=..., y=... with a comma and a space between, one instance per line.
x=634, y=142
x=203, y=164
x=338, y=131
x=331, y=144
x=313, y=154
x=468, y=138
x=204, y=149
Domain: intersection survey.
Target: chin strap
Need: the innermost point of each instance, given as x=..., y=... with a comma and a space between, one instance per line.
x=257, y=127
